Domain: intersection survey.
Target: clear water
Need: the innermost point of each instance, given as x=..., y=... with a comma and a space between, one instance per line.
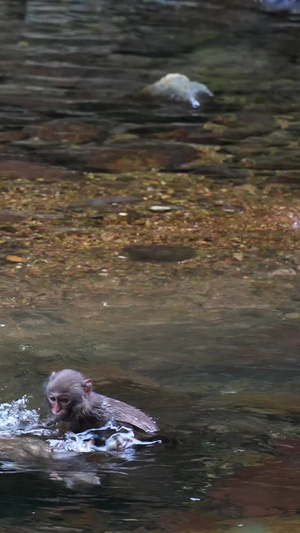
x=179, y=363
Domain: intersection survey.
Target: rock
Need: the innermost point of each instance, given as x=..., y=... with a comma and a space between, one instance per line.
x=109, y=200
x=32, y=318
x=10, y=136
x=178, y=88
x=292, y=6
x=282, y=272
x=140, y=157
x=76, y=480
x=161, y=208
x=159, y=252
x=62, y=131
x=12, y=215
x=14, y=259
x=30, y=171
x=18, y=449
x=293, y=316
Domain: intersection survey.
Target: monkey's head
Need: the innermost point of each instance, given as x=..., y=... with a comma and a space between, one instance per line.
x=65, y=391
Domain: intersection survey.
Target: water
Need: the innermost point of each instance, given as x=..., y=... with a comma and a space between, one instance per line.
x=215, y=362
x=197, y=377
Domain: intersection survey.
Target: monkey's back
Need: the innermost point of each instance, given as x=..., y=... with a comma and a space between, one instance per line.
x=121, y=412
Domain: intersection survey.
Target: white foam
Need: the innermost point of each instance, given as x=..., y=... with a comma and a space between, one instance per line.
x=122, y=439
x=15, y=418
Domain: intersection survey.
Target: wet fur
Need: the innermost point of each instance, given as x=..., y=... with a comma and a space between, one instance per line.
x=94, y=410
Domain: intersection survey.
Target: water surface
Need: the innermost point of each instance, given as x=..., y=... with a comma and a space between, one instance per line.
x=222, y=378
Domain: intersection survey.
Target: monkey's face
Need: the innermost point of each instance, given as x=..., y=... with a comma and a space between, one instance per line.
x=60, y=404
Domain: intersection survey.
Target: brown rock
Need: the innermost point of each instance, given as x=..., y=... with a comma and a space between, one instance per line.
x=29, y=171
x=102, y=201
x=14, y=259
x=145, y=157
x=12, y=215
x=64, y=132
x=8, y=136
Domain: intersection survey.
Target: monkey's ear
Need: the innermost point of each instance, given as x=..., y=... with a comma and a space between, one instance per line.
x=87, y=386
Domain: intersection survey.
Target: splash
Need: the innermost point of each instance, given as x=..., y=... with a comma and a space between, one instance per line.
x=97, y=440
x=123, y=439
x=15, y=418
x=71, y=443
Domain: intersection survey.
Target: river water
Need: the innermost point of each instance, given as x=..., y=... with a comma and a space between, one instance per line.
x=221, y=375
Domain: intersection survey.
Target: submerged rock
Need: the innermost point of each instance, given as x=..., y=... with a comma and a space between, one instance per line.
x=12, y=215
x=66, y=132
x=10, y=136
x=102, y=201
x=139, y=157
x=18, y=449
x=280, y=5
x=178, y=88
x=159, y=252
x=27, y=170
x=77, y=480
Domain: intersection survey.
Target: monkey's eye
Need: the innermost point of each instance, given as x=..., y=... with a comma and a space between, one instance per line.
x=64, y=401
x=51, y=399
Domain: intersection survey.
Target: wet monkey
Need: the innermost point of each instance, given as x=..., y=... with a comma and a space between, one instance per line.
x=72, y=401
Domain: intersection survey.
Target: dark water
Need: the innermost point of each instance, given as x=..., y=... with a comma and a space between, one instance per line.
x=183, y=373
x=88, y=60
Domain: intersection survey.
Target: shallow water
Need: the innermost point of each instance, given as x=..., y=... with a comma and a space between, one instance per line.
x=196, y=377
x=196, y=370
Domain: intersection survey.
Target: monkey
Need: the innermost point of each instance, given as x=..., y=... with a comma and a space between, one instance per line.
x=72, y=401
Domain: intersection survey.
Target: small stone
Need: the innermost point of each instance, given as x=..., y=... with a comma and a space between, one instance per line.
x=282, y=272
x=161, y=208
x=292, y=315
x=238, y=256
x=14, y=259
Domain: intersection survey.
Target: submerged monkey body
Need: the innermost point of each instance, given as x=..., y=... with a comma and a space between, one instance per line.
x=72, y=400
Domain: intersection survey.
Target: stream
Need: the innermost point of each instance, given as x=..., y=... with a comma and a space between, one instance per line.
x=214, y=360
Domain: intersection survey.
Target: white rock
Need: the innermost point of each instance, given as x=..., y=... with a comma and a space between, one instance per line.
x=178, y=88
